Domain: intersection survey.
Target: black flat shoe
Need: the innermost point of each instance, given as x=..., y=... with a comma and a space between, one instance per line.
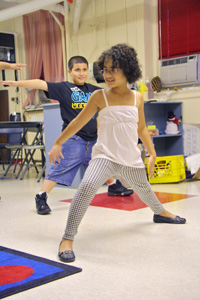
x=160, y=219
x=66, y=256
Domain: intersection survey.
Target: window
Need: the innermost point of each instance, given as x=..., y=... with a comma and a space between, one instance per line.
x=178, y=27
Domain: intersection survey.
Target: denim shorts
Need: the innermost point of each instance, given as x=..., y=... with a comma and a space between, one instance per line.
x=77, y=152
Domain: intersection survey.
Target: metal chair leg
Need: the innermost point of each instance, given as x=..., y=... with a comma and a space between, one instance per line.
x=10, y=164
x=30, y=154
x=42, y=172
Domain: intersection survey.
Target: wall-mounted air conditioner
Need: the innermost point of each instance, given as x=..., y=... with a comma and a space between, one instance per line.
x=183, y=70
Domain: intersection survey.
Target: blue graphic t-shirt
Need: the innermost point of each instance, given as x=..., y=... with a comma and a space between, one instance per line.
x=73, y=99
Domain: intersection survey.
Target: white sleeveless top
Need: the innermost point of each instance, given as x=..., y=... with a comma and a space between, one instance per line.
x=117, y=135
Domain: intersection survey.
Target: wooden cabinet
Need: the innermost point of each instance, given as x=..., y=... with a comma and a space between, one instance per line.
x=157, y=113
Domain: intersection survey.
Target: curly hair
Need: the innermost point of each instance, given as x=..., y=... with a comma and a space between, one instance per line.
x=125, y=58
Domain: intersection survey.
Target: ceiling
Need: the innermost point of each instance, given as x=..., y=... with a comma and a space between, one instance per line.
x=10, y=3
x=10, y=9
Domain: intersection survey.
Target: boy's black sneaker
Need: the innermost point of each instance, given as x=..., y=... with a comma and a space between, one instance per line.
x=41, y=204
x=117, y=189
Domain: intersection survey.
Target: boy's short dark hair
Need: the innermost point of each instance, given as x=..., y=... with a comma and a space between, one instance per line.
x=76, y=60
x=125, y=58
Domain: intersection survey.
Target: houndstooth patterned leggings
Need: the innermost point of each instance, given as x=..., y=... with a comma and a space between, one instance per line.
x=96, y=174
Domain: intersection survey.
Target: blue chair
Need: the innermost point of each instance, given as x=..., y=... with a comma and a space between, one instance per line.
x=14, y=137
x=14, y=144
x=2, y=146
x=29, y=161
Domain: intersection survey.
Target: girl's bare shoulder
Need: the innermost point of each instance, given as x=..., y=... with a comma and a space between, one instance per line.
x=98, y=98
x=139, y=98
x=97, y=94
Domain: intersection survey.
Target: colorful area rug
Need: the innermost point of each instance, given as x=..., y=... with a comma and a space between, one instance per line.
x=132, y=202
x=20, y=271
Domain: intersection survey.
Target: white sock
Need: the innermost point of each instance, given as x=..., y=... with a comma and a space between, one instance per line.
x=40, y=193
x=112, y=182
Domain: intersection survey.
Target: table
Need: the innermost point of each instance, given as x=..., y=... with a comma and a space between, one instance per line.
x=27, y=126
x=20, y=124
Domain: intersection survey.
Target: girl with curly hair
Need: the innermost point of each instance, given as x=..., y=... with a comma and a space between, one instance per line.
x=116, y=152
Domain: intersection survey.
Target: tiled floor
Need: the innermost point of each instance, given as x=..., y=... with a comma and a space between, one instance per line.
x=123, y=254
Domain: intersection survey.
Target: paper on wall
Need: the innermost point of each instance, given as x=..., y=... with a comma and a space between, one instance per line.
x=191, y=139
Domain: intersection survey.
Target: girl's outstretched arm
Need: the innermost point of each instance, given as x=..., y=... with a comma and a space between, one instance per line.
x=145, y=136
x=74, y=126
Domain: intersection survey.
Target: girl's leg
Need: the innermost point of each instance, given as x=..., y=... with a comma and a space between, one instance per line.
x=98, y=171
x=88, y=155
x=137, y=178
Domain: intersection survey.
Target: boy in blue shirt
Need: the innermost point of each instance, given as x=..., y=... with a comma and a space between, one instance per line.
x=72, y=96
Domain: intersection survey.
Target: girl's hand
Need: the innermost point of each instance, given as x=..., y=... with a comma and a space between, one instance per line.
x=55, y=153
x=152, y=160
x=10, y=83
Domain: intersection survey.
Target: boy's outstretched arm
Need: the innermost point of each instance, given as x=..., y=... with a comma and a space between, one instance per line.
x=30, y=84
x=5, y=65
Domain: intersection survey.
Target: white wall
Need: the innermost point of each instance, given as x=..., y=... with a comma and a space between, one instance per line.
x=107, y=22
